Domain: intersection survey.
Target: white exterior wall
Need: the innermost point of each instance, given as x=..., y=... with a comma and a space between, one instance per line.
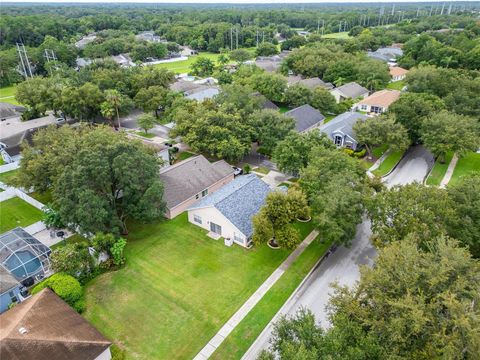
x=339, y=97
x=398, y=78
x=106, y=355
x=211, y=214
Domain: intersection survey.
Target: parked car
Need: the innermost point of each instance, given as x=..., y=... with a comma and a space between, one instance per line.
x=237, y=171
x=60, y=121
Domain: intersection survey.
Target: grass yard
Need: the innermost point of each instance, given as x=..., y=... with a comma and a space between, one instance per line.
x=238, y=342
x=262, y=170
x=145, y=135
x=184, y=155
x=8, y=176
x=397, y=85
x=177, y=289
x=338, y=35
x=284, y=184
x=283, y=108
x=16, y=212
x=7, y=94
x=439, y=170
x=469, y=164
x=389, y=163
x=184, y=66
x=379, y=150
x=45, y=198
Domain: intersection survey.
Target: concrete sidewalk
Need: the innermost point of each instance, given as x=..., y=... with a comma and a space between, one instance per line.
x=230, y=325
x=449, y=172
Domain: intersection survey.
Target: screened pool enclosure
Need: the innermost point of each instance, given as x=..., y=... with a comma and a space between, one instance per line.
x=23, y=255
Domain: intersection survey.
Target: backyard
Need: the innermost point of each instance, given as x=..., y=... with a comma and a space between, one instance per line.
x=176, y=290
x=7, y=177
x=7, y=94
x=184, y=66
x=16, y=212
x=466, y=165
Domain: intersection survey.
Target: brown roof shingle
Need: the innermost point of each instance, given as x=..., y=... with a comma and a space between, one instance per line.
x=382, y=98
x=44, y=327
x=190, y=177
x=397, y=71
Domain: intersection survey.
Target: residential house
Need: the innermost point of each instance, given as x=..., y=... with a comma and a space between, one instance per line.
x=8, y=111
x=228, y=212
x=44, y=327
x=306, y=118
x=340, y=130
x=188, y=181
x=378, y=102
x=270, y=63
x=10, y=290
x=124, y=60
x=397, y=73
x=386, y=54
x=266, y=104
x=310, y=83
x=149, y=36
x=201, y=95
x=84, y=41
x=187, y=51
x=351, y=90
x=196, y=90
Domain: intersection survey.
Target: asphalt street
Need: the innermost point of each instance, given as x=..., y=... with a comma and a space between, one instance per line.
x=342, y=266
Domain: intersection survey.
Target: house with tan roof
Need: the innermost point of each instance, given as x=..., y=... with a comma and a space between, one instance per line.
x=378, y=102
x=192, y=179
x=44, y=327
x=397, y=73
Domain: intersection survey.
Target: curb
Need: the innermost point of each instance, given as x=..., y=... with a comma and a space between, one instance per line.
x=292, y=295
x=395, y=166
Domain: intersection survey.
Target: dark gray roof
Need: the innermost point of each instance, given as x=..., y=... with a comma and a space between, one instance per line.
x=203, y=94
x=267, y=104
x=268, y=65
x=305, y=117
x=342, y=123
x=238, y=201
x=190, y=177
x=352, y=90
x=310, y=83
x=7, y=281
x=386, y=54
x=9, y=110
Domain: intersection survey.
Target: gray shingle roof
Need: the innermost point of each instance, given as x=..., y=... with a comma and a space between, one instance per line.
x=190, y=177
x=385, y=54
x=352, y=90
x=7, y=281
x=342, y=123
x=201, y=95
x=238, y=201
x=305, y=117
x=310, y=83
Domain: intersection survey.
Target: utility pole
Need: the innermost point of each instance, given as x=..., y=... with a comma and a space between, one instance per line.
x=449, y=9
x=418, y=10
x=25, y=64
x=323, y=26
x=231, y=39
x=443, y=7
x=318, y=26
x=431, y=10
x=236, y=36
x=393, y=9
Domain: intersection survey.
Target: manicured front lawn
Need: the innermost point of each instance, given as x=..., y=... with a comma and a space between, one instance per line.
x=7, y=94
x=469, y=164
x=8, y=176
x=177, y=289
x=238, y=342
x=328, y=118
x=16, y=212
x=388, y=164
x=144, y=134
x=283, y=108
x=338, y=35
x=397, y=85
x=262, y=170
x=184, y=66
x=184, y=155
x=379, y=150
x=439, y=170
x=45, y=198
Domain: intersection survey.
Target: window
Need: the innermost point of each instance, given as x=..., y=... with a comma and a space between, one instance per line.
x=197, y=219
x=197, y=196
x=338, y=140
x=376, y=109
x=205, y=192
x=364, y=108
x=238, y=238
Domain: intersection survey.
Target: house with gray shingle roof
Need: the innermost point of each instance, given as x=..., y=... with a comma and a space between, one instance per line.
x=228, y=212
x=190, y=180
x=340, y=129
x=350, y=90
x=306, y=118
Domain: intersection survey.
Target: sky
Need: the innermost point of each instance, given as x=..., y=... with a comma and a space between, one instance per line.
x=223, y=2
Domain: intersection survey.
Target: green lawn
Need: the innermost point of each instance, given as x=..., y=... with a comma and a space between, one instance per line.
x=16, y=212
x=439, y=170
x=387, y=165
x=284, y=184
x=338, y=35
x=8, y=176
x=145, y=135
x=184, y=155
x=7, y=94
x=379, y=150
x=45, y=198
x=262, y=170
x=238, y=342
x=177, y=289
x=75, y=238
x=469, y=164
x=397, y=85
x=184, y=66
x=283, y=108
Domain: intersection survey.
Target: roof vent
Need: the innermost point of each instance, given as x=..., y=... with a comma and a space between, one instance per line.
x=22, y=330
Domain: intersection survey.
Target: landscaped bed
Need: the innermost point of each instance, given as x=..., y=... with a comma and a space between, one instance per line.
x=177, y=289
x=469, y=164
x=16, y=212
x=389, y=163
x=439, y=170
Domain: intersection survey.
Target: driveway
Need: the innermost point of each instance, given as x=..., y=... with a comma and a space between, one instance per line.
x=414, y=166
x=343, y=265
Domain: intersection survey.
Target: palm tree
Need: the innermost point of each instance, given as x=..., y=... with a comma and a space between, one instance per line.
x=107, y=111
x=115, y=99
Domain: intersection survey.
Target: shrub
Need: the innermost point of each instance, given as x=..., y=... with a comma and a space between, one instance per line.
x=263, y=151
x=103, y=242
x=117, y=353
x=117, y=251
x=65, y=286
x=360, y=154
x=73, y=259
x=51, y=218
x=247, y=169
x=348, y=151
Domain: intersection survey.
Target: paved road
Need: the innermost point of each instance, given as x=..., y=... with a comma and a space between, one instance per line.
x=343, y=265
x=414, y=166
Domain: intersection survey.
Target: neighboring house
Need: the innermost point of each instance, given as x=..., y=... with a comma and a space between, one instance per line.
x=266, y=104
x=149, y=36
x=207, y=81
x=229, y=211
x=378, y=102
x=186, y=86
x=10, y=290
x=386, y=54
x=187, y=51
x=351, y=90
x=201, y=95
x=8, y=111
x=190, y=180
x=268, y=65
x=80, y=44
x=124, y=60
x=82, y=62
x=340, y=130
x=310, y=83
x=397, y=73
x=44, y=327
x=306, y=118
